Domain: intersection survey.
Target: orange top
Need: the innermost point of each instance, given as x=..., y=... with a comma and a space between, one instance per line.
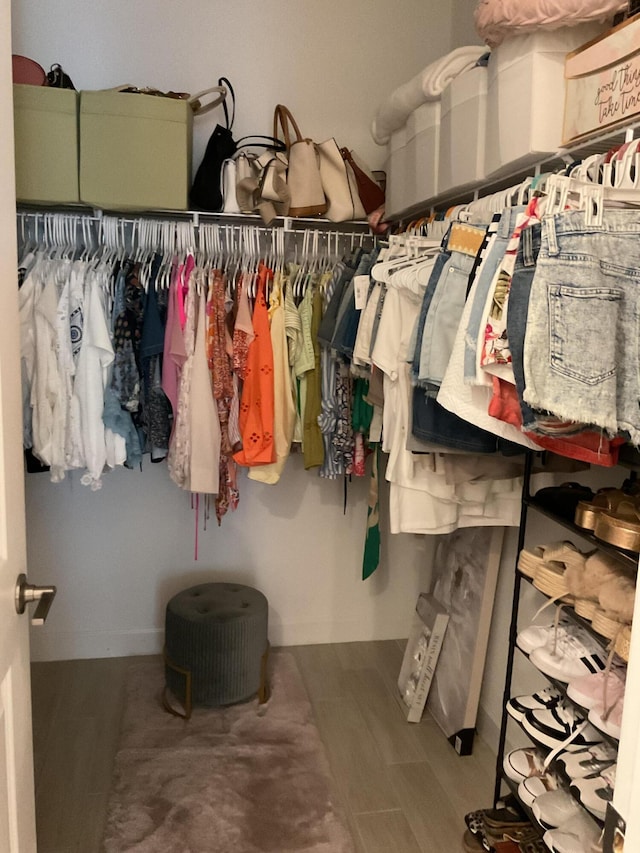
x=257, y=402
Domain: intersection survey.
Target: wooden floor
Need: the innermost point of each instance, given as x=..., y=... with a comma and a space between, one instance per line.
x=402, y=786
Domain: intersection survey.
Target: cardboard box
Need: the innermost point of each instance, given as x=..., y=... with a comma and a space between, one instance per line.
x=525, y=96
x=463, y=130
x=135, y=151
x=602, y=81
x=421, y=656
x=46, y=144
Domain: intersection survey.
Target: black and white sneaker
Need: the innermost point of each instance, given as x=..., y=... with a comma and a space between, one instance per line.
x=560, y=727
x=518, y=706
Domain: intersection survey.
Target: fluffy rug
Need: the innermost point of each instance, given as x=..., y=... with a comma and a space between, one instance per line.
x=247, y=778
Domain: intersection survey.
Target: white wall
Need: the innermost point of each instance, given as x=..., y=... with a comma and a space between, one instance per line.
x=119, y=554
x=463, y=26
x=330, y=62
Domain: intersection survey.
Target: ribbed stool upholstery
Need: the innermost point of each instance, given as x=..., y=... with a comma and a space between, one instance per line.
x=218, y=632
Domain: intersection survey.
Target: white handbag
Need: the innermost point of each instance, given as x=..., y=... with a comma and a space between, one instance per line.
x=339, y=184
x=228, y=180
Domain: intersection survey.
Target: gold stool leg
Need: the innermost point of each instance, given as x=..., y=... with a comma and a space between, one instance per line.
x=166, y=704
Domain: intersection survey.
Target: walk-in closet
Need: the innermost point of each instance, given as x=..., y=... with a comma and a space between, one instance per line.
x=323, y=510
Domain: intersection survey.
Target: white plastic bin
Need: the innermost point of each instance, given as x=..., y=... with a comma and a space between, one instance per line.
x=397, y=170
x=525, y=96
x=462, y=130
x=423, y=151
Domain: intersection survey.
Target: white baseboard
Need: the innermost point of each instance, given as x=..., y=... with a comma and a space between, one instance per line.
x=47, y=645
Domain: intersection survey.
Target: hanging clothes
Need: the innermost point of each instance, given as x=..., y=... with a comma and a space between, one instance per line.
x=257, y=401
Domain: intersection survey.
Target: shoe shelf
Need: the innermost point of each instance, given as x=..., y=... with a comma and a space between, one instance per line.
x=562, y=687
x=627, y=558
x=629, y=563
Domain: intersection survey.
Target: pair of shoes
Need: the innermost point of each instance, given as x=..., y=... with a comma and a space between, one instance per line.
x=587, y=762
x=620, y=526
x=518, y=706
x=606, y=500
x=565, y=652
x=584, y=582
x=553, y=808
x=603, y=695
x=563, y=500
x=561, y=728
x=489, y=826
x=530, y=561
x=580, y=834
x=594, y=792
x=528, y=767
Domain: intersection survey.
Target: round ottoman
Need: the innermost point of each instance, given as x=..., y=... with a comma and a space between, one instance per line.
x=216, y=645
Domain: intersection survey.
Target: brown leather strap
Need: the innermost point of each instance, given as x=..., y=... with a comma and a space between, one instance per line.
x=371, y=195
x=283, y=115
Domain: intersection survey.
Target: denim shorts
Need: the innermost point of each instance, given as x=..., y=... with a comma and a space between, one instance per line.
x=581, y=343
x=486, y=274
x=517, y=311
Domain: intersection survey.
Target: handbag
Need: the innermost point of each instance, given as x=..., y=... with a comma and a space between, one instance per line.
x=371, y=193
x=57, y=78
x=27, y=71
x=207, y=192
x=303, y=172
x=339, y=184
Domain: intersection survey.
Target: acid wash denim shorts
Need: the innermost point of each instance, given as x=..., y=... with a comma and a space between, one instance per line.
x=581, y=340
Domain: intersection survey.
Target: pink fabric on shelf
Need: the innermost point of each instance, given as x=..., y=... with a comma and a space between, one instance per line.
x=497, y=20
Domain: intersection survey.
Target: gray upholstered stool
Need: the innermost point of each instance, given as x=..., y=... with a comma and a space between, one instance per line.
x=216, y=645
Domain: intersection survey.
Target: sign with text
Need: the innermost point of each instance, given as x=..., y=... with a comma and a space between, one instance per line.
x=603, y=82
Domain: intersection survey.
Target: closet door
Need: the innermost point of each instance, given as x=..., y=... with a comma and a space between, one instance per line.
x=17, y=815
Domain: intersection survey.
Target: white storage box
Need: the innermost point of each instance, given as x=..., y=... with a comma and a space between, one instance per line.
x=462, y=130
x=397, y=170
x=423, y=151
x=603, y=82
x=525, y=96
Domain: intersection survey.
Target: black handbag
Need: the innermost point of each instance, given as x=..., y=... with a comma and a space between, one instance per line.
x=206, y=190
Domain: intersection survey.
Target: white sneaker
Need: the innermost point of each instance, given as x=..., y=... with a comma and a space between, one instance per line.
x=553, y=808
x=536, y=636
x=578, y=835
x=530, y=789
x=559, y=728
x=520, y=764
x=588, y=762
x=571, y=655
x=518, y=706
x=595, y=792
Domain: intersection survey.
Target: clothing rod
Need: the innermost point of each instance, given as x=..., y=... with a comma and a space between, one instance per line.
x=263, y=229
x=194, y=217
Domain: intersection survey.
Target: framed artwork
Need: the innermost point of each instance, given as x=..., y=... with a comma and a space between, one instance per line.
x=464, y=583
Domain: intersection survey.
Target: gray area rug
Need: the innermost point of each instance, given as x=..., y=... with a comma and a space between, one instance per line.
x=247, y=778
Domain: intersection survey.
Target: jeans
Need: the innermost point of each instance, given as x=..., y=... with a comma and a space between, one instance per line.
x=581, y=342
x=517, y=310
x=434, y=278
x=485, y=277
x=443, y=318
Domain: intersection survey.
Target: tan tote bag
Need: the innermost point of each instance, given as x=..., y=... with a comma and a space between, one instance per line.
x=303, y=174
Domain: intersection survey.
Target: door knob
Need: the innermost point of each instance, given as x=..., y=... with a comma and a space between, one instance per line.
x=26, y=592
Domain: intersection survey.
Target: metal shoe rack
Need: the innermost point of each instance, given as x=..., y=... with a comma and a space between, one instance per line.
x=627, y=560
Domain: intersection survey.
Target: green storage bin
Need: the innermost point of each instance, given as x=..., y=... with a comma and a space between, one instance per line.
x=135, y=151
x=46, y=144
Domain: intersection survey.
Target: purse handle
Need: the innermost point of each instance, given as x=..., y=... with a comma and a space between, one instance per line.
x=199, y=109
x=261, y=142
x=224, y=81
x=283, y=115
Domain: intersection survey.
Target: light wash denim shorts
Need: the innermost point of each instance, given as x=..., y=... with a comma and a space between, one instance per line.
x=581, y=341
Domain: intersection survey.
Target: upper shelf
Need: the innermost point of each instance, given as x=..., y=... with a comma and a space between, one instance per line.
x=513, y=174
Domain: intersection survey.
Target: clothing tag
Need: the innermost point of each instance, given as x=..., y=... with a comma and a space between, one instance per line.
x=361, y=290
x=465, y=238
